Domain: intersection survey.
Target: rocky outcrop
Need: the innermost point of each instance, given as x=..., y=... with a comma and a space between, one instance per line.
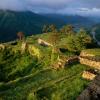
x=43, y=43
x=62, y=62
x=2, y=46
x=88, y=75
x=90, y=60
x=92, y=92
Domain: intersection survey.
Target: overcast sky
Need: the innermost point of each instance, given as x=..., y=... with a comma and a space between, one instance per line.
x=81, y=7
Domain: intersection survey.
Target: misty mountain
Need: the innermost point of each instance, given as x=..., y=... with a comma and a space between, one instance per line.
x=31, y=23
x=72, y=19
x=13, y=22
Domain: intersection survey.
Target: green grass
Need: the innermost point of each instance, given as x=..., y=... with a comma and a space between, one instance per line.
x=23, y=77
x=95, y=52
x=66, y=82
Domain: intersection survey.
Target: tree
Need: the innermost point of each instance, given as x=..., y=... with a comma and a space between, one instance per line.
x=67, y=29
x=45, y=29
x=54, y=35
x=49, y=28
x=52, y=28
x=20, y=35
x=84, y=36
x=53, y=39
x=78, y=42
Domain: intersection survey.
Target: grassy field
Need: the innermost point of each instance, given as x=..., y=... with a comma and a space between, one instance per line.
x=65, y=84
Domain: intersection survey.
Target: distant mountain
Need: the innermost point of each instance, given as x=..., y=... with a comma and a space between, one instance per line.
x=12, y=22
x=72, y=19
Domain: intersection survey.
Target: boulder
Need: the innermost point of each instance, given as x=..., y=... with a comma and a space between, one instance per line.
x=88, y=75
x=43, y=43
x=2, y=46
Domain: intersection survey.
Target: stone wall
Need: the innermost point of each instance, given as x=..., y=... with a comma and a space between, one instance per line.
x=90, y=63
x=90, y=60
x=63, y=62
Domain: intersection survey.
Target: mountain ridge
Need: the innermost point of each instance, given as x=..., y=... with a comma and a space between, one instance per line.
x=30, y=23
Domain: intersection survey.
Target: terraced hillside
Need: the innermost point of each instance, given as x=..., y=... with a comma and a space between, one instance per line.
x=26, y=77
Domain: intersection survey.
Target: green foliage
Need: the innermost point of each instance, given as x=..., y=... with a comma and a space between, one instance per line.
x=14, y=65
x=34, y=51
x=67, y=29
x=27, y=75
x=78, y=42
x=23, y=76
x=45, y=29
x=84, y=37
x=52, y=28
x=57, y=96
x=32, y=96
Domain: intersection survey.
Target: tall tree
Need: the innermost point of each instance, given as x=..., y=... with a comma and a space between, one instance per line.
x=53, y=39
x=84, y=36
x=67, y=29
x=78, y=42
x=45, y=29
x=53, y=28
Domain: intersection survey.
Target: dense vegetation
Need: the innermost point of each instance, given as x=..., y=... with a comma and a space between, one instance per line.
x=29, y=75
x=23, y=77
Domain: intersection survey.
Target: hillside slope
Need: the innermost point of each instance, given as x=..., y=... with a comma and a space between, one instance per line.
x=28, y=22
x=24, y=77
x=12, y=22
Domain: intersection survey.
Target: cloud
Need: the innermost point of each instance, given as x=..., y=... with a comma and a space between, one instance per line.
x=89, y=11
x=54, y=6
x=12, y=5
